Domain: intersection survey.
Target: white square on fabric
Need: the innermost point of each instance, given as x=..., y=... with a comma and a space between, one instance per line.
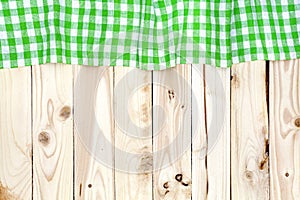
x=285, y=15
x=74, y=60
x=245, y=30
x=267, y=29
x=190, y=18
x=235, y=59
x=110, y=5
x=26, y=4
x=169, y=9
x=180, y=5
x=33, y=47
x=53, y=58
x=271, y=57
x=282, y=56
x=258, y=43
x=234, y=46
x=74, y=33
x=30, y=32
x=243, y=17
x=290, y=42
x=87, y=4
x=297, y=13
x=246, y=44
x=260, y=56
x=223, y=62
x=12, y=4
x=223, y=49
x=287, y=29
x=132, y=63
x=136, y=22
x=86, y=18
x=85, y=32
x=21, y=62
x=6, y=64
x=123, y=21
x=232, y=32
x=28, y=17
x=108, y=34
x=15, y=19
x=265, y=15
x=20, y=48
x=51, y=15
x=18, y=34
x=73, y=46
x=119, y=62
x=110, y=20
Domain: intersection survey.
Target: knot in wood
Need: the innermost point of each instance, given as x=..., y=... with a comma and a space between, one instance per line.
x=249, y=175
x=297, y=122
x=178, y=177
x=44, y=138
x=65, y=112
x=166, y=185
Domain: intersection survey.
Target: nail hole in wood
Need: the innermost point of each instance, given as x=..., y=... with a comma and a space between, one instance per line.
x=287, y=174
x=89, y=185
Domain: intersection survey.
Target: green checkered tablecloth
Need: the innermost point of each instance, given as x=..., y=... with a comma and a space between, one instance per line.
x=147, y=34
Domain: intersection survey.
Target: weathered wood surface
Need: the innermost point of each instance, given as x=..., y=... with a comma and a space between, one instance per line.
x=133, y=133
x=211, y=126
x=52, y=126
x=15, y=134
x=217, y=102
x=195, y=132
x=249, y=132
x=93, y=116
x=285, y=129
x=172, y=133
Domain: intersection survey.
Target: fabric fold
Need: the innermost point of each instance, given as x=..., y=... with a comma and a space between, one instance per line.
x=150, y=35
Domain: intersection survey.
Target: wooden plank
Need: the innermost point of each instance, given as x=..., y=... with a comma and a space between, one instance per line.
x=249, y=132
x=133, y=130
x=94, y=125
x=217, y=101
x=15, y=134
x=199, y=140
x=172, y=133
x=211, y=139
x=285, y=129
x=52, y=97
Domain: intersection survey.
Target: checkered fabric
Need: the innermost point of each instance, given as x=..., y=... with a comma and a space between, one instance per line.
x=147, y=34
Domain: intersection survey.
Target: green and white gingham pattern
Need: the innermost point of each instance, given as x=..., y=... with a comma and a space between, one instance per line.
x=147, y=34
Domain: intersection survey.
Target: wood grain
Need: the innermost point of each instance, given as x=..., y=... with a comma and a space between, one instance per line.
x=199, y=140
x=15, y=134
x=249, y=132
x=94, y=133
x=217, y=102
x=285, y=129
x=52, y=117
x=133, y=130
x=172, y=133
